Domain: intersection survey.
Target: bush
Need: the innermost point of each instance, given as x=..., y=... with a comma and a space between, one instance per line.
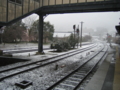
x=64, y=45
x=60, y=46
x=72, y=41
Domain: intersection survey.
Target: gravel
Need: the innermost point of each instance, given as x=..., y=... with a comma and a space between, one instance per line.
x=44, y=77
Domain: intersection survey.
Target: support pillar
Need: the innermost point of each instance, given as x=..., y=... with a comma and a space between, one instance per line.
x=1, y=34
x=40, y=34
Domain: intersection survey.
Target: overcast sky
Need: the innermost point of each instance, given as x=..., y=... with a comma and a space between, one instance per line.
x=65, y=22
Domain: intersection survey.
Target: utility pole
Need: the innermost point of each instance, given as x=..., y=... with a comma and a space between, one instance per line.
x=74, y=27
x=81, y=35
x=78, y=35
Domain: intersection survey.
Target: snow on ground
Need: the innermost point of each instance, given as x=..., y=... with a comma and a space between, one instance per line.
x=44, y=76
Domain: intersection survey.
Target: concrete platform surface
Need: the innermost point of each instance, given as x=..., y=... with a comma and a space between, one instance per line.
x=116, y=83
x=107, y=77
x=97, y=80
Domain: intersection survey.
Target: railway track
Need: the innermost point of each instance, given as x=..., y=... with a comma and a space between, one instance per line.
x=27, y=67
x=20, y=50
x=74, y=79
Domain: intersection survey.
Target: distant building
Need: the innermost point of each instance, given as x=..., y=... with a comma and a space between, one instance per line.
x=61, y=36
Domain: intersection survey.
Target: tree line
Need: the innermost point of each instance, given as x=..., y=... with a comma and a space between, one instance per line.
x=19, y=32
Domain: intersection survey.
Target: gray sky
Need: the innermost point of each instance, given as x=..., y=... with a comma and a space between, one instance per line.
x=65, y=22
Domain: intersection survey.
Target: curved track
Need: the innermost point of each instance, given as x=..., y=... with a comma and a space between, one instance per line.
x=27, y=67
x=74, y=79
x=21, y=50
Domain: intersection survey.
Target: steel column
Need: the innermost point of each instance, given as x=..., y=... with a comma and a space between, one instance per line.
x=40, y=32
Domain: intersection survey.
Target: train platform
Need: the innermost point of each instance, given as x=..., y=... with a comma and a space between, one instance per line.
x=107, y=77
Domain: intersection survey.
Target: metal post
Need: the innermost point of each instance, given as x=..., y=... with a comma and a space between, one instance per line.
x=74, y=34
x=81, y=35
x=78, y=35
x=40, y=32
x=74, y=27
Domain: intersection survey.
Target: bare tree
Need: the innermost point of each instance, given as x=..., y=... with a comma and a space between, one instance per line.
x=29, y=22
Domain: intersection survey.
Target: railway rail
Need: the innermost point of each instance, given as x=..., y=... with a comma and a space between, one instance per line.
x=20, y=50
x=74, y=79
x=30, y=66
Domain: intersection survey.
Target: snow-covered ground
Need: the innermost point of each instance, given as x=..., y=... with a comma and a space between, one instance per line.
x=44, y=76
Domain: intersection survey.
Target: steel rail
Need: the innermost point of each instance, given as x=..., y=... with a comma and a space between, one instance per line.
x=37, y=66
x=28, y=49
x=104, y=55
x=63, y=79
x=47, y=59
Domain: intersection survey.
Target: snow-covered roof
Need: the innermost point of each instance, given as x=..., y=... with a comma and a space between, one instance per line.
x=61, y=34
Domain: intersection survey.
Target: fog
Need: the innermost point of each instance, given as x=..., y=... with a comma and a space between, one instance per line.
x=92, y=21
x=97, y=23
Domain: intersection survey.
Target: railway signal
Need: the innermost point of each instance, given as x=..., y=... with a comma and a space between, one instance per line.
x=74, y=27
